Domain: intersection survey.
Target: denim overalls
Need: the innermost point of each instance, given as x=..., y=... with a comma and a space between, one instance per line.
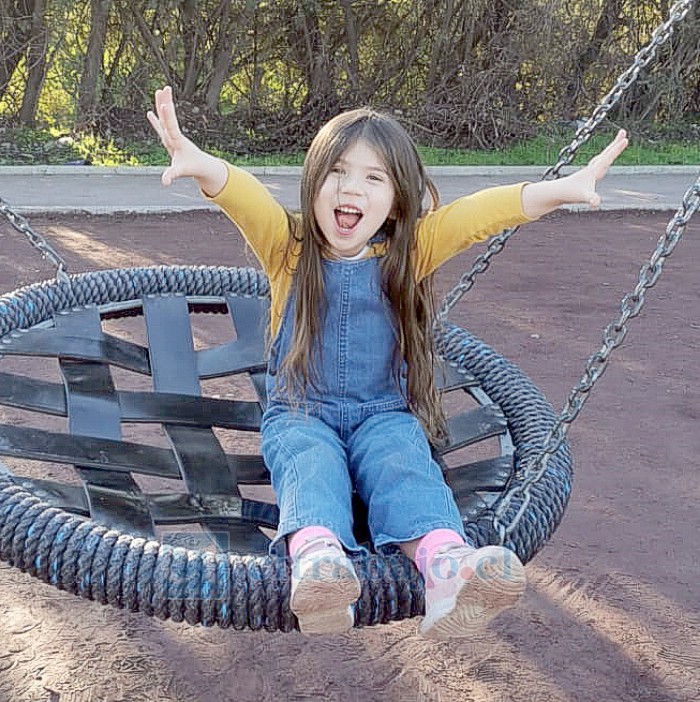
x=354, y=430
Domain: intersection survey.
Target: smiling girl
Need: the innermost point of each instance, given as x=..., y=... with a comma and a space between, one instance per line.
x=352, y=404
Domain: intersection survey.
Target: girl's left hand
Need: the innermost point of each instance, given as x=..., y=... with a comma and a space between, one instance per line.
x=583, y=183
x=578, y=188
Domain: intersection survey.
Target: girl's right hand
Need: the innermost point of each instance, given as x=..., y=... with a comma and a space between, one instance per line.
x=186, y=158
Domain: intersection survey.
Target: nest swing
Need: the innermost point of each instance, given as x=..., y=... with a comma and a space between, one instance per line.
x=98, y=539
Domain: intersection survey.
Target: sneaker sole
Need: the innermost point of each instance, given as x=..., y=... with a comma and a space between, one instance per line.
x=497, y=583
x=323, y=600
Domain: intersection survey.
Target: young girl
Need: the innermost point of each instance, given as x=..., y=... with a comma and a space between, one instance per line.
x=351, y=399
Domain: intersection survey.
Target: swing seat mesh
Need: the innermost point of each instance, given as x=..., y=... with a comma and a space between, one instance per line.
x=199, y=554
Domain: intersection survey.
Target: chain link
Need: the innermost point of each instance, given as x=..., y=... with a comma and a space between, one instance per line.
x=613, y=336
x=533, y=470
x=645, y=55
x=21, y=224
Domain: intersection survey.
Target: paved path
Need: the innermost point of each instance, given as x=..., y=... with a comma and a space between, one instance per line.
x=99, y=190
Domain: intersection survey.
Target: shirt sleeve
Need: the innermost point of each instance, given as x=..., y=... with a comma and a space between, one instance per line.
x=262, y=221
x=453, y=228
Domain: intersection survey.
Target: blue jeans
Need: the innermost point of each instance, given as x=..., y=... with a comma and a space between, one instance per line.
x=316, y=462
x=353, y=429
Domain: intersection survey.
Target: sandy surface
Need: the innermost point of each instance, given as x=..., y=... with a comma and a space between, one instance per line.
x=612, y=608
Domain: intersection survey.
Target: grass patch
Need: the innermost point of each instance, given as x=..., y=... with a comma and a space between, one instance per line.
x=544, y=151
x=49, y=147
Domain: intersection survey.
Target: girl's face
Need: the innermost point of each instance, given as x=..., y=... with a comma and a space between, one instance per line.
x=355, y=199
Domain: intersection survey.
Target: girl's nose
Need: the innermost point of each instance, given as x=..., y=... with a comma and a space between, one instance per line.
x=350, y=183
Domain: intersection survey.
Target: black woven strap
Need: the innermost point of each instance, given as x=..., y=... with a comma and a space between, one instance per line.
x=107, y=464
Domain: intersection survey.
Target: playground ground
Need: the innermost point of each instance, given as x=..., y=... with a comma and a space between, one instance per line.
x=612, y=610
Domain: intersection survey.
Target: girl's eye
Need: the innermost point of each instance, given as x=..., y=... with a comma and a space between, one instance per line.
x=376, y=178
x=337, y=170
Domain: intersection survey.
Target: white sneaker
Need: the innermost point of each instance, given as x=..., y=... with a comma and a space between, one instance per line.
x=467, y=587
x=324, y=588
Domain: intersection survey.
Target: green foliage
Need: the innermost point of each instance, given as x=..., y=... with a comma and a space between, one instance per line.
x=104, y=152
x=243, y=160
x=260, y=77
x=52, y=146
x=24, y=146
x=543, y=150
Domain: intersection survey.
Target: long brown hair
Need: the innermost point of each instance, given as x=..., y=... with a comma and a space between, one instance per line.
x=412, y=302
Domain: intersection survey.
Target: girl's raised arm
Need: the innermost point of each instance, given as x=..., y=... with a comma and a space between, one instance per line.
x=186, y=158
x=579, y=188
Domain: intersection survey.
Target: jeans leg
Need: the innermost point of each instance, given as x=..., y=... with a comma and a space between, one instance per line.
x=397, y=478
x=309, y=470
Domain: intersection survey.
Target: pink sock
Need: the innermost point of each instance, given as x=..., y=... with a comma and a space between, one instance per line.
x=299, y=538
x=430, y=544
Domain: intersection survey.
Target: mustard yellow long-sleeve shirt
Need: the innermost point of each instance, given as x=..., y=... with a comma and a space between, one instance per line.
x=441, y=234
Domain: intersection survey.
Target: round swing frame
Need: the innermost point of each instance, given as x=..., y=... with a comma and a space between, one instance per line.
x=237, y=589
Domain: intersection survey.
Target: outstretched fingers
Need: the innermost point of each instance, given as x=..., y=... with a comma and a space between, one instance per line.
x=164, y=119
x=164, y=122
x=601, y=163
x=166, y=112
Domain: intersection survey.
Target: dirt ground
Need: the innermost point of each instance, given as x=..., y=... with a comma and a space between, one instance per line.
x=612, y=608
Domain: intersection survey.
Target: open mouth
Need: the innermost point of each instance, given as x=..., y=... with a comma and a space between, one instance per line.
x=347, y=218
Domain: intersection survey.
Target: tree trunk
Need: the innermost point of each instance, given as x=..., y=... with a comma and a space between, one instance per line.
x=352, y=44
x=321, y=99
x=440, y=50
x=191, y=42
x=153, y=48
x=90, y=89
x=15, y=32
x=221, y=60
x=36, y=63
x=608, y=21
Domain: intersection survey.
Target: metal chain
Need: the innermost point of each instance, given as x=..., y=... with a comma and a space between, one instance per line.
x=566, y=155
x=21, y=224
x=613, y=336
